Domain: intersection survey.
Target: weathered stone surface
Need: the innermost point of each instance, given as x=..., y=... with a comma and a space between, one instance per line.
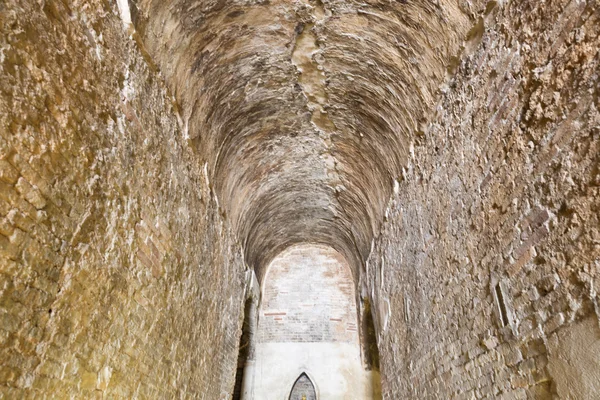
x=119, y=277
x=502, y=189
x=304, y=110
x=151, y=151
x=573, y=360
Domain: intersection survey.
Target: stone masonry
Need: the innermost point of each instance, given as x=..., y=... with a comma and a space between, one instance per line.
x=483, y=276
x=108, y=237
x=157, y=156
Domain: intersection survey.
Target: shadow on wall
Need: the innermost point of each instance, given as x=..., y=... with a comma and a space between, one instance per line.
x=244, y=349
x=369, y=337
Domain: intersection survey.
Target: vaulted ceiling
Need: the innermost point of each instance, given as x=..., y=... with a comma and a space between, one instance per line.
x=305, y=112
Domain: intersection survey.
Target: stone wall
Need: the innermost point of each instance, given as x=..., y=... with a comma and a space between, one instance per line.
x=119, y=278
x=304, y=109
x=484, y=277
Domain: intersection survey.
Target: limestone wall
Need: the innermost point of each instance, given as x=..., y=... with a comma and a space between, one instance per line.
x=119, y=278
x=484, y=277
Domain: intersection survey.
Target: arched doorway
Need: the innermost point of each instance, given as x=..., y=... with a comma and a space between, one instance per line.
x=303, y=389
x=308, y=321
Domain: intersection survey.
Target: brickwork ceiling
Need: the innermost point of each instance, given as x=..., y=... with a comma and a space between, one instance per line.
x=305, y=112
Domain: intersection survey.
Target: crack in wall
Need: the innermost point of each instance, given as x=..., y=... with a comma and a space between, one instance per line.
x=311, y=77
x=313, y=81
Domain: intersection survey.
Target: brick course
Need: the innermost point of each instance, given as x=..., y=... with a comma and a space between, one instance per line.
x=308, y=296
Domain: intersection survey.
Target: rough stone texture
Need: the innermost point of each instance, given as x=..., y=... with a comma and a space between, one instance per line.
x=119, y=278
x=573, y=360
x=492, y=245
x=470, y=215
x=304, y=110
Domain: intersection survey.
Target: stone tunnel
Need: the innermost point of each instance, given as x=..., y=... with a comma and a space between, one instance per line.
x=299, y=199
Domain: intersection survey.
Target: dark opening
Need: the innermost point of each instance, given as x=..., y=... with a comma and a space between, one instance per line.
x=501, y=306
x=369, y=338
x=243, y=351
x=303, y=389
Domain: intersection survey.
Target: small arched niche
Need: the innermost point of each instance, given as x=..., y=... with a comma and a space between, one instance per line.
x=303, y=389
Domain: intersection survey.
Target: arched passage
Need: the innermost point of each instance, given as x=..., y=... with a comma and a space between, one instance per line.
x=140, y=179
x=308, y=322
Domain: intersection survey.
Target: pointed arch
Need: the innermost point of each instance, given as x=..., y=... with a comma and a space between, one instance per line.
x=303, y=389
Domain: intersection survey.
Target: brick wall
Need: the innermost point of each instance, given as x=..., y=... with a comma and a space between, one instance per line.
x=308, y=296
x=491, y=249
x=118, y=276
